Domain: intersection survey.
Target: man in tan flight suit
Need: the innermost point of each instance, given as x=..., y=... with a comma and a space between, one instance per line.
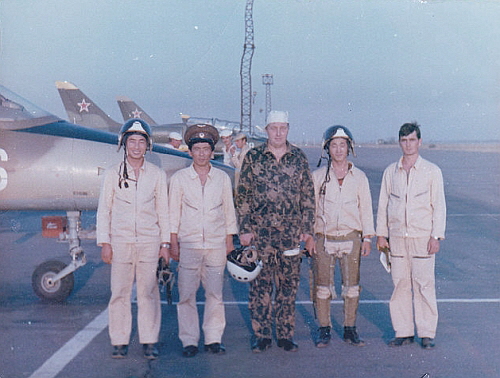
x=411, y=221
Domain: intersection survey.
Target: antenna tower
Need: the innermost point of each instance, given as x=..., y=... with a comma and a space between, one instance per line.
x=246, y=71
x=267, y=80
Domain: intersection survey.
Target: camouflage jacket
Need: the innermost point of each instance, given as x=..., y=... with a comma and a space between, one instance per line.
x=275, y=194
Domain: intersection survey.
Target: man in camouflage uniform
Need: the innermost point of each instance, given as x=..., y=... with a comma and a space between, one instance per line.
x=275, y=204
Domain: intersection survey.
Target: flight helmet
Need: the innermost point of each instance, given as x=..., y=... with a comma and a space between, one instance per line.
x=338, y=131
x=135, y=126
x=243, y=264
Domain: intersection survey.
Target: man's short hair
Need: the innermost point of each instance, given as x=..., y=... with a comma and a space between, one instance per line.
x=408, y=128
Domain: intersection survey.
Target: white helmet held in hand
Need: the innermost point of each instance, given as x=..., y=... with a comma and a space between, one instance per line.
x=243, y=265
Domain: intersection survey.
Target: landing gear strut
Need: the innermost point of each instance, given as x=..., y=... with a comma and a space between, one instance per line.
x=53, y=281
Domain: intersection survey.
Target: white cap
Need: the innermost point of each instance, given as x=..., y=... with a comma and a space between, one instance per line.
x=226, y=133
x=240, y=136
x=277, y=116
x=175, y=135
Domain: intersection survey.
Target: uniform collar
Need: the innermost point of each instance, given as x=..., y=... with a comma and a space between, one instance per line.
x=350, y=167
x=417, y=164
x=194, y=175
x=132, y=171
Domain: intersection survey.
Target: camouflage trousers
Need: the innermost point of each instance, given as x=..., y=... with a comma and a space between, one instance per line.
x=280, y=274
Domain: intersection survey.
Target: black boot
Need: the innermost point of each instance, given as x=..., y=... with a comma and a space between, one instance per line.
x=323, y=337
x=351, y=336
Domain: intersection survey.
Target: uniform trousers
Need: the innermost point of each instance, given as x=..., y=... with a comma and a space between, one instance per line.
x=279, y=272
x=139, y=262
x=414, y=295
x=205, y=266
x=347, y=250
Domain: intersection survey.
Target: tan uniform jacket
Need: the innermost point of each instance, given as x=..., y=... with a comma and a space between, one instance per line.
x=137, y=214
x=202, y=216
x=412, y=205
x=344, y=208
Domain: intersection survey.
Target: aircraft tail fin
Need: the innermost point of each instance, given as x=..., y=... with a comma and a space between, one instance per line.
x=130, y=109
x=82, y=110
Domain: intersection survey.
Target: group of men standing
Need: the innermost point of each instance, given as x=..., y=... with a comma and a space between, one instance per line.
x=278, y=206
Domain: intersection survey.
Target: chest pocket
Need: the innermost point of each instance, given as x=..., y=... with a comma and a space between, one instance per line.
x=125, y=196
x=189, y=204
x=217, y=207
x=421, y=194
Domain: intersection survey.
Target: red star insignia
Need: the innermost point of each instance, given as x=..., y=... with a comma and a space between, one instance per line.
x=136, y=113
x=84, y=106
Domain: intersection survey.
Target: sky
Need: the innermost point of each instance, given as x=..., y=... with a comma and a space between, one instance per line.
x=369, y=65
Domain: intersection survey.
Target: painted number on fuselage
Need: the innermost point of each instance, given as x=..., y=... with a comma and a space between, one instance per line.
x=3, y=172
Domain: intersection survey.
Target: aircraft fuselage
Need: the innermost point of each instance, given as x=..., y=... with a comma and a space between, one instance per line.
x=44, y=172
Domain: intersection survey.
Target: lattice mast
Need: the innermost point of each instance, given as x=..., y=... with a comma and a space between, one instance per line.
x=246, y=70
x=267, y=80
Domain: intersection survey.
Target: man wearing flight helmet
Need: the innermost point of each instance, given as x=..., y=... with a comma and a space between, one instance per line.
x=343, y=230
x=203, y=222
x=133, y=231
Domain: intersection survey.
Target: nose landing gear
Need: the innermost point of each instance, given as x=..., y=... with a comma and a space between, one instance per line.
x=53, y=280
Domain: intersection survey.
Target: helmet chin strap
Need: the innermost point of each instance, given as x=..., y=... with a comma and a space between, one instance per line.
x=322, y=190
x=322, y=157
x=124, y=173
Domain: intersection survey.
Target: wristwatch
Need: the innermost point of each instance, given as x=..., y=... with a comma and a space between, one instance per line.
x=437, y=238
x=165, y=245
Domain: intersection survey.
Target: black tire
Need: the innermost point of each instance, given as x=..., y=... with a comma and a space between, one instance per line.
x=45, y=289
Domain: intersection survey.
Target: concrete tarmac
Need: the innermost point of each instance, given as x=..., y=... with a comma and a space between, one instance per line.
x=38, y=339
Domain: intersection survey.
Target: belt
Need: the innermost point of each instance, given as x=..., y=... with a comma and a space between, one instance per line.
x=350, y=236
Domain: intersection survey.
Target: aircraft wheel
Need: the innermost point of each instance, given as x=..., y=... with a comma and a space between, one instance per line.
x=44, y=286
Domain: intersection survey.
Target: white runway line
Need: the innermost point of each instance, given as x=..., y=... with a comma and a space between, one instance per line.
x=473, y=215
x=55, y=364
x=70, y=350
x=368, y=301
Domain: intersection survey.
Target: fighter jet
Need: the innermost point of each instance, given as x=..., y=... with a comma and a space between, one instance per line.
x=82, y=110
x=47, y=163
